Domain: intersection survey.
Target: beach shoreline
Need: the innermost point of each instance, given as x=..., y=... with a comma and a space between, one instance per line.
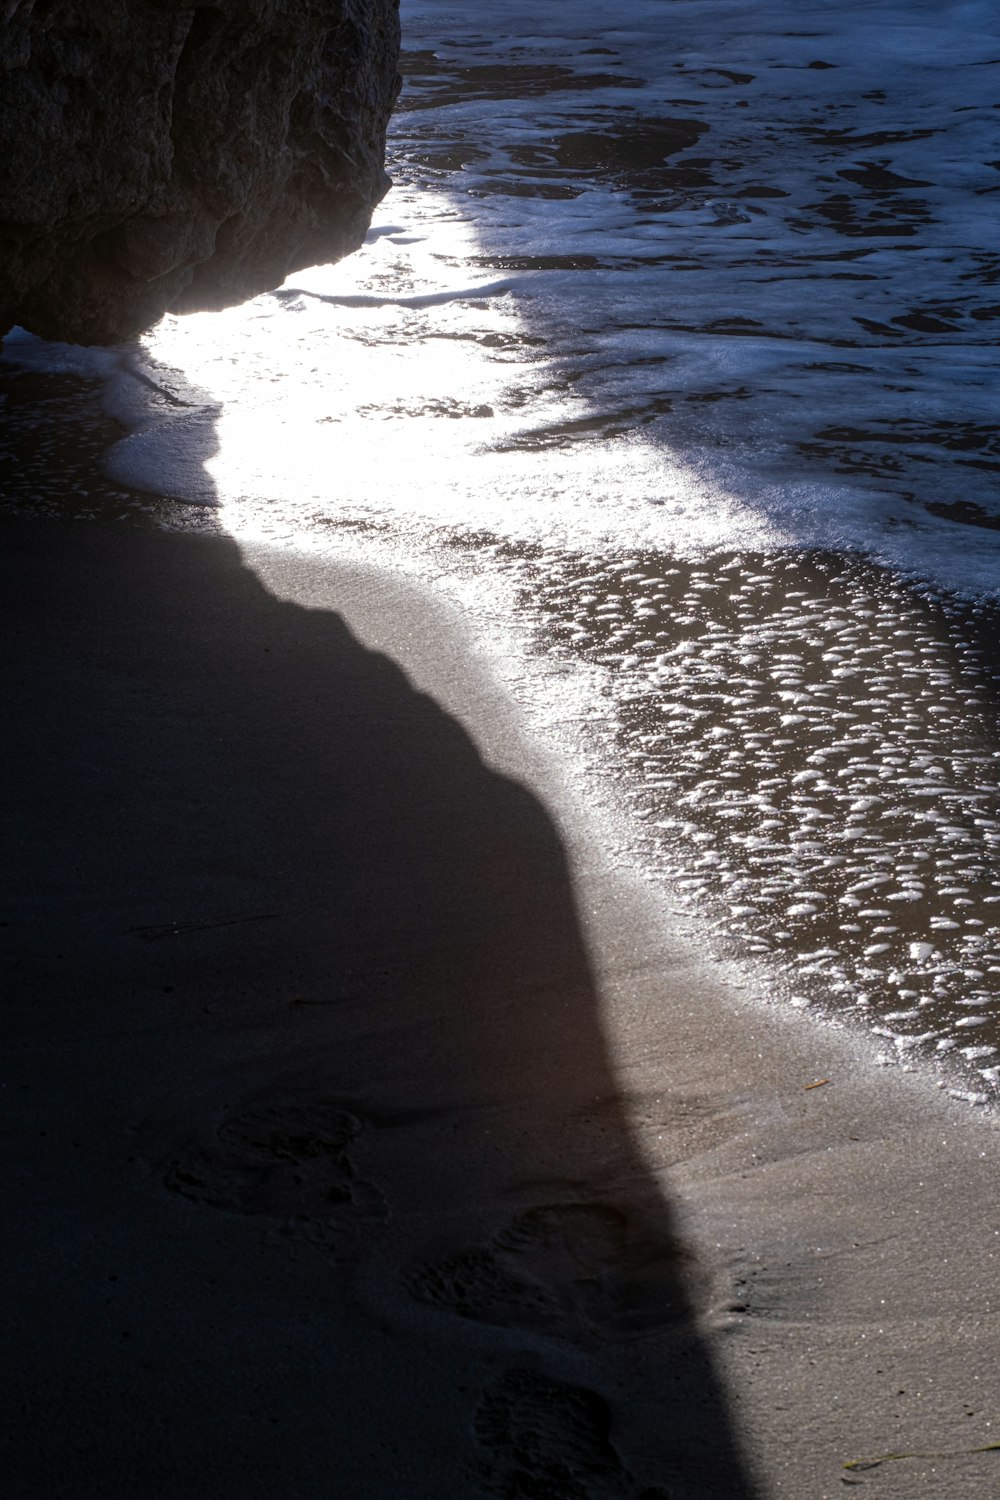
x=370, y=1135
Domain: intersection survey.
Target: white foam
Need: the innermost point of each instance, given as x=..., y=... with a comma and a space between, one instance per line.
x=169, y=436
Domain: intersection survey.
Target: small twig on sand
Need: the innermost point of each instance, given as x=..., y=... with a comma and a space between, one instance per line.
x=174, y=929
x=889, y=1458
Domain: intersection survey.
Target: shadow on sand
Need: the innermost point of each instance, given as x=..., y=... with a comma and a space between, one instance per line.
x=324, y=1183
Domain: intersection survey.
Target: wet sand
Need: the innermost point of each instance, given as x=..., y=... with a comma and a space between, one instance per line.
x=367, y=1135
x=809, y=745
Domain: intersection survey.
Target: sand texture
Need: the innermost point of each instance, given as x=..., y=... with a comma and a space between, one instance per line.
x=366, y=1137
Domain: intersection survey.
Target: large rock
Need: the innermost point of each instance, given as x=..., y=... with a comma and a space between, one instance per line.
x=160, y=155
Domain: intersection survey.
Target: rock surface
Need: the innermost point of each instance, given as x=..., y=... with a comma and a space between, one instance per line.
x=167, y=156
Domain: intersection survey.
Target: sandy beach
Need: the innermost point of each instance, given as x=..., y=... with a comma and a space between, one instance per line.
x=367, y=1136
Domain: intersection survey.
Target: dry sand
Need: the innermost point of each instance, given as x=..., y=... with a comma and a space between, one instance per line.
x=366, y=1136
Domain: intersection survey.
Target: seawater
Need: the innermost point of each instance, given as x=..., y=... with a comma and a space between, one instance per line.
x=672, y=356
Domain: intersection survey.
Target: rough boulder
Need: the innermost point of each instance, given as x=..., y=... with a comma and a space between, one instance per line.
x=157, y=155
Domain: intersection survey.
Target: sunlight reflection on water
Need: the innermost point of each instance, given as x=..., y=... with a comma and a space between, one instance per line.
x=311, y=389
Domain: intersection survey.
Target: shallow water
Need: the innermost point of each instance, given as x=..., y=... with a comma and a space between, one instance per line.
x=672, y=355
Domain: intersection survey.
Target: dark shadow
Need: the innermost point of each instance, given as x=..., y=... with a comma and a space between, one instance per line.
x=321, y=1178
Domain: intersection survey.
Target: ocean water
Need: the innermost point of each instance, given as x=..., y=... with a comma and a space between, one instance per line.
x=672, y=358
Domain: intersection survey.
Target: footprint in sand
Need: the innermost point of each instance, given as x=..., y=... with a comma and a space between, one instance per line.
x=547, y=1438
x=574, y=1271
x=289, y=1163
